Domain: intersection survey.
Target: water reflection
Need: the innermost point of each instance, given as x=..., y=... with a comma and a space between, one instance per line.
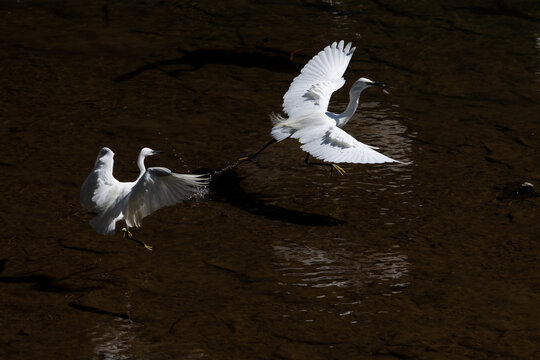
x=538, y=55
x=114, y=343
x=124, y=339
x=308, y=265
x=382, y=126
x=340, y=274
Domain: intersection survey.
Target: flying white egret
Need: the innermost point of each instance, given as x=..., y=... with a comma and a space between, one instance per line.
x=309, y=121
x=113, y=200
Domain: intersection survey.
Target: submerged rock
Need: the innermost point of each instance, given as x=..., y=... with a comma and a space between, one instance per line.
x=516, y=190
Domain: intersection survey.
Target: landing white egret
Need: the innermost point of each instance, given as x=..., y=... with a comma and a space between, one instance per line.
x=309, y=121
x=114, y=201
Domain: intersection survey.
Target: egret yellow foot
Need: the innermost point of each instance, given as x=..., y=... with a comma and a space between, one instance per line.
x=339, y=169
x=244, y=158
x=126, y=234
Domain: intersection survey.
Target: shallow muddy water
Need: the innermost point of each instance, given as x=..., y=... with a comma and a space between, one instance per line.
x=437, y=258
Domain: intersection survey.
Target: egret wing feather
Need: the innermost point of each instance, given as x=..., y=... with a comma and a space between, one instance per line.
x=159, y=187
x=321, y=76
x=332, y=144
x=105, y=222
x=110, y=200
x=95, y=191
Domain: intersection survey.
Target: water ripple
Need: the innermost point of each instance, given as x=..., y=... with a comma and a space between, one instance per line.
x=124, y=339
x=339, y=277
x=115, y=343
x=307, y=265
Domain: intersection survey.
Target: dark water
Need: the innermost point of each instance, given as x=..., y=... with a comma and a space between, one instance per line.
x=435, y=259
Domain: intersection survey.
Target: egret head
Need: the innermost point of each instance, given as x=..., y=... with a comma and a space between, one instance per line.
x=364, y=83
x=149, y=152
x=104, y=153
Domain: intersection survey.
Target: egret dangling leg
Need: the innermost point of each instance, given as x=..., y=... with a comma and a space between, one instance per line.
x=249, y=157
x=126, y=234
x=333, y=166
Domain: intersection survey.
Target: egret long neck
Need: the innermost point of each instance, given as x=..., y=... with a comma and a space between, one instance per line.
x=140, y=164
x=344, y=117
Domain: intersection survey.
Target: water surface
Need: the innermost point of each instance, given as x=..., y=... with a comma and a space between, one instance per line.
x=436, y=258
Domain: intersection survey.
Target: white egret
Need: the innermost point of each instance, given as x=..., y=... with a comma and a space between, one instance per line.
x=309, y=121
x=114, y=201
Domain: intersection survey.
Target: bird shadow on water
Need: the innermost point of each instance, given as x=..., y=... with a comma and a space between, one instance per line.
x=262, y=57
x=225, y=187
x=47, y=283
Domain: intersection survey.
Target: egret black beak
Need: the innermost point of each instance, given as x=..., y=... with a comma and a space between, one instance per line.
x=381, y=85
x=154, y=152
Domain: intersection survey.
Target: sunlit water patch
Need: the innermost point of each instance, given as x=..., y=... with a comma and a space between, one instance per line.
x=387, y=188
x=374, y=124
x=125, y=339
x=382, y=126
x=339, y=275
x=115, y=342
x=538, y=56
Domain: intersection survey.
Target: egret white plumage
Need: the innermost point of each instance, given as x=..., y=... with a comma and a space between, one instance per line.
x=114, y=201
x=317, y=129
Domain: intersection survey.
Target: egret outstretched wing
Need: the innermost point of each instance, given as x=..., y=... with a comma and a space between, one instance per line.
x=321, y=76
x=330, y=143
x=306, y=104
x=95, y=194
x=159, y=187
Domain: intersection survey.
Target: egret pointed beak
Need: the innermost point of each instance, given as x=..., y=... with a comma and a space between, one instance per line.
x=383, y=86
x=380, y=84
x=155, y=152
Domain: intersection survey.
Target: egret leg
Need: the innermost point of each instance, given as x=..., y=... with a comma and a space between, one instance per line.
x=126, y=234
x=332, y=166
x=249, y=157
